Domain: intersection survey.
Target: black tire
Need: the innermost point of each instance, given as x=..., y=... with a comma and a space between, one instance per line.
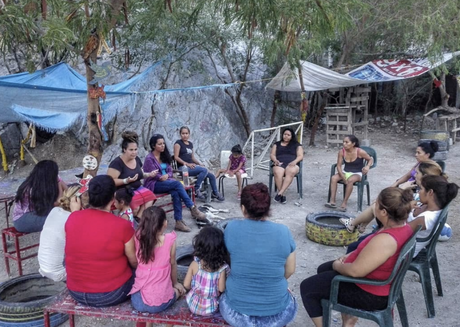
x=184, y=256
x=325, y=228
x=56, y=319
x=23, y=298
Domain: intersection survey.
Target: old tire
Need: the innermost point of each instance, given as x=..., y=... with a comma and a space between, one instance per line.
x=23, y=298
x=325, y=228
x=184, y=256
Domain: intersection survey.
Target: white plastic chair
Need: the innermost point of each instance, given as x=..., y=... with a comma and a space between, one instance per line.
x=224, y=158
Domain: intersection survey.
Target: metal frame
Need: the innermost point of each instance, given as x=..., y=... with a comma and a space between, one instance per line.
x=262, y=163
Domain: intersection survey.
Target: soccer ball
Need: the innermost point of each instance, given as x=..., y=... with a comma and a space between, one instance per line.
x=446, y=233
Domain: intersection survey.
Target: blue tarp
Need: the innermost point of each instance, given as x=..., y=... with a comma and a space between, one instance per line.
x=56, y=97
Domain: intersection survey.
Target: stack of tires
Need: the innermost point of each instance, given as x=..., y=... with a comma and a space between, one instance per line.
x=440, y=137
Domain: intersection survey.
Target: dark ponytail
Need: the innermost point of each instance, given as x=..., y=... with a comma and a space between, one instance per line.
x=444, y=192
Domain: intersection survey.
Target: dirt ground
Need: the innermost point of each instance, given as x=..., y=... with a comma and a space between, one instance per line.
x=395, y=153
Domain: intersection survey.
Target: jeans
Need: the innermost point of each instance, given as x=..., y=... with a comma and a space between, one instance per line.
x=201, y=173
x=237, y=319
x=139, y=305
x=29, y=222
x=178, y=193
x=105, y=299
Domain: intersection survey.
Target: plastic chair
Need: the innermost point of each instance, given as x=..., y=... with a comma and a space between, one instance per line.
x=298, y=177
x=364, y=181
x=224, y=155
x=382, y=317
x=427, y=259
x=206, y=185
x=441, y=164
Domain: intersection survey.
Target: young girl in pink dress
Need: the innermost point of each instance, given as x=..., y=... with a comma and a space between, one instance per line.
x=155, y=288
x=206, y=275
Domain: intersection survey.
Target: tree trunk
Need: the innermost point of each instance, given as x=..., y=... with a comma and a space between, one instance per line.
x=276, y=100
x=318, y=117
x=90, y=52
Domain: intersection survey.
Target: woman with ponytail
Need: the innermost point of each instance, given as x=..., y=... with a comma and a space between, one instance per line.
x=374, y=258
x=260, y=250
x=435, y=193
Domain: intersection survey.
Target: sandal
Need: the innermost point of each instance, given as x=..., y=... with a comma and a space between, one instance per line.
x=331, y=205
x=342, y=209
x=348, y=225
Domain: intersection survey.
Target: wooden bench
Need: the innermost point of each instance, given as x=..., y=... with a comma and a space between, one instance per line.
x=178, y=314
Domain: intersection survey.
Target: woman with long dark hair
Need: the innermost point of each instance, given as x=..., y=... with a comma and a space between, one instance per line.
x=285, y=154
x=159, y=159
x=36, y=196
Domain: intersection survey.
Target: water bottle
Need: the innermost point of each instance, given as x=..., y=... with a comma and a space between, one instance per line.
x=185, y=176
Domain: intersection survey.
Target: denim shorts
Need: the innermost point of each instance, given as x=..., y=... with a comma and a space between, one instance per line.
x=139, y=305
x=105, y=299
x=237, y=319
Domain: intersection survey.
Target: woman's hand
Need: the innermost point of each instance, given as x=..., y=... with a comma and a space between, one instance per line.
x=230, y=173
x=277, y=162
x=75, y=203
x=180, y=288
x=164, y=177
x=411, y=185
x=130, y=179
x=191, y=165
x=151, y=174
x=365, y=170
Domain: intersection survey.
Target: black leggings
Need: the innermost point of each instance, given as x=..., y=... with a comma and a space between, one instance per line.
x=318, y=287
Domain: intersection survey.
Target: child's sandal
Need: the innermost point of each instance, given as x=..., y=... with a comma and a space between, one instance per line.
x=348, y=225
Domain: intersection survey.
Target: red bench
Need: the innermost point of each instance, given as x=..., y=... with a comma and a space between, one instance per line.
x=16, y=254
x=178, y=314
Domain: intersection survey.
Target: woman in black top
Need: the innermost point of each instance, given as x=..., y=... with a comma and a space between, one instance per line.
x=352, y=157
x=126, y=170
x=185, y=156
x=285, y=154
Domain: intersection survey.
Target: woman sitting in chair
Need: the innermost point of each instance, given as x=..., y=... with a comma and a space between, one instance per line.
x=373, y=259
x=285, y=154
x=352, y=157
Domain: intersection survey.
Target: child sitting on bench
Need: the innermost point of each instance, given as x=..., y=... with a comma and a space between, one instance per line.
x=155, y=288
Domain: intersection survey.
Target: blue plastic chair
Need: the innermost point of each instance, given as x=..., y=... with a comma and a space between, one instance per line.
x=383, y=317
x=364, y=181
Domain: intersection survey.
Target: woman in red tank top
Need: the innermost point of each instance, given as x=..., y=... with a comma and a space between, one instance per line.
x=374, y=259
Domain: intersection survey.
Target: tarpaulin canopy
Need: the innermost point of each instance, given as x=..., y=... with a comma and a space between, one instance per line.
x=317, y=78
x=56, y=97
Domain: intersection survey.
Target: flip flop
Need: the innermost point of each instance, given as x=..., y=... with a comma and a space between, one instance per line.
x=347, y=223
x=331, y=205
x=342, y=209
